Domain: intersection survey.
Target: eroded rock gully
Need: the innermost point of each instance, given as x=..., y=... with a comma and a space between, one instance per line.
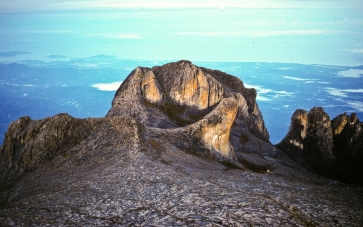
x=181, y=146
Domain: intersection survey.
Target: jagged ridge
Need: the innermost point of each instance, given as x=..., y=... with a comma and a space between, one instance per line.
x=203, y=111
x=179, y=94
x=165, y=159
x=332, y=148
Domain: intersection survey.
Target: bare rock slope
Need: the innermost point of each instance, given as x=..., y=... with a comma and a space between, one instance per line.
x=181, y=146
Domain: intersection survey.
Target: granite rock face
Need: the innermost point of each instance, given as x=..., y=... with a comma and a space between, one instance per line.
x=202, y=111
x=331, y=148
x=318, y=143
x=183, y=93
x=180, y=94
x=181, y=146
x=348, y=148
x=125, y=174
x=29, y=143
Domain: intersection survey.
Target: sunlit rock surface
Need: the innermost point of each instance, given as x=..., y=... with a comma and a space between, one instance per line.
x=150, y=88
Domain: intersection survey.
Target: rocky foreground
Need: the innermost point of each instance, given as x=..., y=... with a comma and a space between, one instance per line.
x=181, y=146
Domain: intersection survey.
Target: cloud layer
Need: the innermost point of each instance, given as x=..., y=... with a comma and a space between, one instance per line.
x=107, y=86
x=342, y=92
x=266, y=95
x=265, y=33
x=356, y=105
x=117, y=36
x=355, y=73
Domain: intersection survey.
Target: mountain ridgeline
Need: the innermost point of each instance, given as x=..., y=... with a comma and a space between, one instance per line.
x=332, y=148
x=201, y=111
x=181, y=146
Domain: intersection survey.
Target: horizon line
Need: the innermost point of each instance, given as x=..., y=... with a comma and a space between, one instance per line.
x=91, y=5
x=69, y=59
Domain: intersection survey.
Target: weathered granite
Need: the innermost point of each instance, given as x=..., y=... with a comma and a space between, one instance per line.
x=348, y=148
x=176, y=149
x=120, y=176
x=179, y=94
x=29, y=143
x=330, y=148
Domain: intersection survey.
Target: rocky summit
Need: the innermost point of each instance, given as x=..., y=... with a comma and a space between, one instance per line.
x=332, y=148
x=181, y=146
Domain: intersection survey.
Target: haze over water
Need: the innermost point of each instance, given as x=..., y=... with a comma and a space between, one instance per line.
x=309, y=32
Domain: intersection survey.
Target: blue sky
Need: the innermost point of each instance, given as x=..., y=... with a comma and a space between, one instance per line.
x=318, y=32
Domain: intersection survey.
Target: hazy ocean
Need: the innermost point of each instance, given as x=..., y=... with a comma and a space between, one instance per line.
x=85, y=87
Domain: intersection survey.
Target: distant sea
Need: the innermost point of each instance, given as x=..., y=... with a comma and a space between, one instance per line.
x=85, y=87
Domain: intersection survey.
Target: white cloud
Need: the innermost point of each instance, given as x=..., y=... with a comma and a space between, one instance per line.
x=329, y=66
x=23, y=85
x=354, y=90
x=259, y=89
x=117, y=36
x=336, y=92
x=107, y=86
x=298, y=79
x=330, y=105
x=71, y=102
x=260, y=23
x=354, y=73
x=264, y=33
x=356, y=105
x=342, y=92
x=86, y=65
x=360, y=51
x=306, y=81
x=283, y=93
x=345, y=21
x=275, y=94
x=356, y=51
x=298, y=32
x=263, y=99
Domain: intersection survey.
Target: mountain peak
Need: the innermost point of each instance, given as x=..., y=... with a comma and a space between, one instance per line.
x=181, y=145
x=330, y=148
x=180, y=94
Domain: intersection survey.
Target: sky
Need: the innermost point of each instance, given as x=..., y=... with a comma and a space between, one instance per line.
x=309, y=32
